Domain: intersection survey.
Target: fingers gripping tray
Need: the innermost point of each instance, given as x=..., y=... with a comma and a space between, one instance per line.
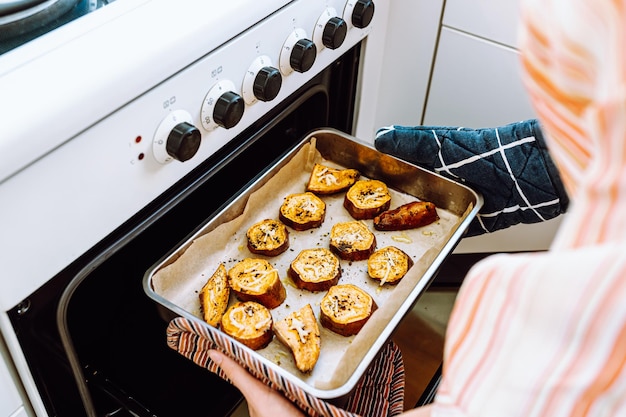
x=175, y=281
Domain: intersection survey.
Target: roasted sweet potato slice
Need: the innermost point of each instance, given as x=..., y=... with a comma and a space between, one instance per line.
x=388, y=265
x=352, y=241
x=255, y=279
x=345, y=309
x=315, y=269
x=366, y=199
x=249, y=323
x=302, y=211
x=268, y=237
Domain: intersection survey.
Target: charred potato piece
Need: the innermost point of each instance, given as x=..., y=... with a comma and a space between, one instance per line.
x=388, y=265
x=345, y=309
x=302, y=211
x=249, y=323
x=366, y=199
x=214, y=296
x=352, y=241
x=300, y=333
x=268, y=237
x=315, y=269
x=255, y=279
x=325, y=180
x=407, y=216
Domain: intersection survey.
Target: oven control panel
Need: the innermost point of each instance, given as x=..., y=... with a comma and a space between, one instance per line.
x=246, y=77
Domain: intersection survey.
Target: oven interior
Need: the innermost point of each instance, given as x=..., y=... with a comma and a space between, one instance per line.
x=94, y=342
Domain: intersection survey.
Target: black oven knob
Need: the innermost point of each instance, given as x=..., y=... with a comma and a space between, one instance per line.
x=359, y=12
x=330, y=30
x=267, y=84
x=303, y=55
x=183, y=141
x=176, y=138
x=334, y=33
x=262, y=81
x=228, y=109
x=221, y=106
x=298, y=53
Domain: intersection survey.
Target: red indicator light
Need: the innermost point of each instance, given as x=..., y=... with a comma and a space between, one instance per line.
x=138, y=139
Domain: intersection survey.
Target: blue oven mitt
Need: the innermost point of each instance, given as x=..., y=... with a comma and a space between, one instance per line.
x=509, y=165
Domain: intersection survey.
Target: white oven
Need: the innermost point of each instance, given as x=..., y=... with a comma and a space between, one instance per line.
x=123, y=125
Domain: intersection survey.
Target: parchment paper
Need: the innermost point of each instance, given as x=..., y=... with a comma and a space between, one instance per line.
x=180, y=281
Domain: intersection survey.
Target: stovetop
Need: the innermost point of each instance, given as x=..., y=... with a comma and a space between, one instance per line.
x=21, y=21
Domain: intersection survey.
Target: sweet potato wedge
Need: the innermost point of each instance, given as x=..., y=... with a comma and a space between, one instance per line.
x=214, y=296
x=326, y=180
x=300, y=333
x=407, y=216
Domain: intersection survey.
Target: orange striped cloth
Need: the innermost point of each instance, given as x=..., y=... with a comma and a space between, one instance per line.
x=544, y=334
x=380, y=392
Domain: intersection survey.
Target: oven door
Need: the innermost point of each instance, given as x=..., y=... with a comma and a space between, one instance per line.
x=95, y=344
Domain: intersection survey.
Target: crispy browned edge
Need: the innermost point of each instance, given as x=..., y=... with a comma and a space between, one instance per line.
x=364, y=214
x=272, y=298
x=301, y=226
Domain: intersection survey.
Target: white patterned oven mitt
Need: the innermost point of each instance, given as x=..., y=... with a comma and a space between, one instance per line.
x=380, y=392
x=509, y=165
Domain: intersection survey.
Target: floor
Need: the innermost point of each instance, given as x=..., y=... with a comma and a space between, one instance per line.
x=421, y=333
x=420, y=337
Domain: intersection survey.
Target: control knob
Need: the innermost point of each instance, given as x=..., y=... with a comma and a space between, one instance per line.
x=330, y=30
x=262, y=81
x=221, y=106
x=298, y=53
x=176, y=138
x=359, y=12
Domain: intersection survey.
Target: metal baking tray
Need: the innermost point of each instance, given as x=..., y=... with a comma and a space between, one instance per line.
x=175, y=280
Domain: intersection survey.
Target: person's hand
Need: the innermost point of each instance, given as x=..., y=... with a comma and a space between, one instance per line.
x=262, y=400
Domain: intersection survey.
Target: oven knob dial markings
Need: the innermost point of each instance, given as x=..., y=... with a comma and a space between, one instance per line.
x=176, y=138
x=298, y=53
x=359, y=13
x=222, y=106
x=330, y=30
x=261, y=82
